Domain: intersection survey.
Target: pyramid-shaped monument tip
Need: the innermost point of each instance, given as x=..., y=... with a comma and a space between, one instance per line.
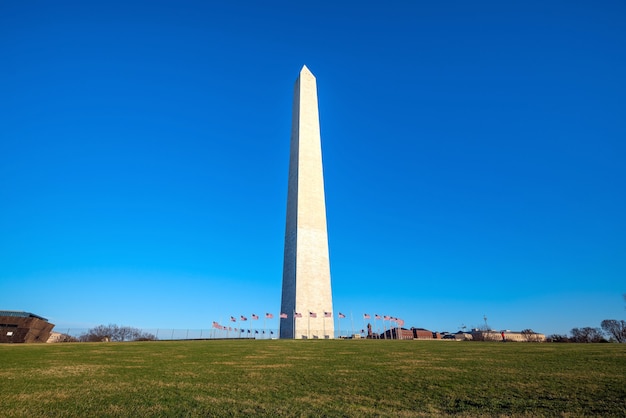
x=305, y=69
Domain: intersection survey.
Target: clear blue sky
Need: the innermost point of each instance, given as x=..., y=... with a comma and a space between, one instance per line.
x=475, y=159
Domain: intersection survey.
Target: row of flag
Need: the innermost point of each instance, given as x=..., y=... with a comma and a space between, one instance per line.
x=398, y=321
x=216, y=325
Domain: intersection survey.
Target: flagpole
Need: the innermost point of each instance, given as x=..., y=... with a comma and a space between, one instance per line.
x=384, y=329
x=398, y=328
x=339, y=320
x=352, y=322
x=376, y=325
x=363, y=322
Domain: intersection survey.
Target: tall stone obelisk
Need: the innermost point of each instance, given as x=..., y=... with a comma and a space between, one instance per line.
x=307, y=298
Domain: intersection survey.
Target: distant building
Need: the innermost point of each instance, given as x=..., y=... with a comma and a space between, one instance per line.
x=424, y=334
x=405, y=334
x=58, y=337
x=397, y=334
x=507, y=335
x=23, y=327
x=463, y=336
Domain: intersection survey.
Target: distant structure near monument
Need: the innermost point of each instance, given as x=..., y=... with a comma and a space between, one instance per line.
x=306, y=297
x=23, y=327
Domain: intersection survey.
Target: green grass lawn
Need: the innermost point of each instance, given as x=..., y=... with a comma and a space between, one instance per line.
x=312, y=378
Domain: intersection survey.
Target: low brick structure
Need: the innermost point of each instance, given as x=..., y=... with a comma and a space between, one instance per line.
x=424, y=334
x=397, y=334
x=23, y=327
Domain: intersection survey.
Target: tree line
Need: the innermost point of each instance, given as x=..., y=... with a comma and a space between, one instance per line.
x=112, y=332
x=611, y=330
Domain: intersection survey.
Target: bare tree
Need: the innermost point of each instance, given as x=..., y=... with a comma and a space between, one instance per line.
x=113, y=332
x=615, y=329
x=530, y=335
x=587, y=335
x=558, y=338
x=484, y=334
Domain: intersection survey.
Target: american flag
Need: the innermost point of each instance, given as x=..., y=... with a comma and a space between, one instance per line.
x=269, y=316
x=243, y=318
x=216, y=325
x=233, y=319
x=341, y=315
x=400, y=322
x=284, y=316
x=387, y=318
x=298, y=315
x=328, y=315
x=312, y=314
x=376, y=316
x=366, y=316
x=255, y=316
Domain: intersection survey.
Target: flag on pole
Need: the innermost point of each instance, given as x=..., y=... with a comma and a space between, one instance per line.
x=298, y=315
x=387, y=318
x=269, y=316
x=255, y=316
x=243, y=318
x=366, y=316
x=376, y=316
x=400, y=322
x=233, y=319
x=312, y=314
x=216, y=325
x=328, y=314
x=284, y=316
x=341, y=315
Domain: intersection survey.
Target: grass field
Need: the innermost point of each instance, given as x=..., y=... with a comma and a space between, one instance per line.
x=312, y=378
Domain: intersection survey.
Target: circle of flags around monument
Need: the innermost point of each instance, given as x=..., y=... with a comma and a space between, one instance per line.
x=250, y=331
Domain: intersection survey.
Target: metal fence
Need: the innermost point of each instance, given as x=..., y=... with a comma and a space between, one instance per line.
x=171, y=334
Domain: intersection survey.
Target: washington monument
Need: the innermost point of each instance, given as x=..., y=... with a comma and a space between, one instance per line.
x=307, y=298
